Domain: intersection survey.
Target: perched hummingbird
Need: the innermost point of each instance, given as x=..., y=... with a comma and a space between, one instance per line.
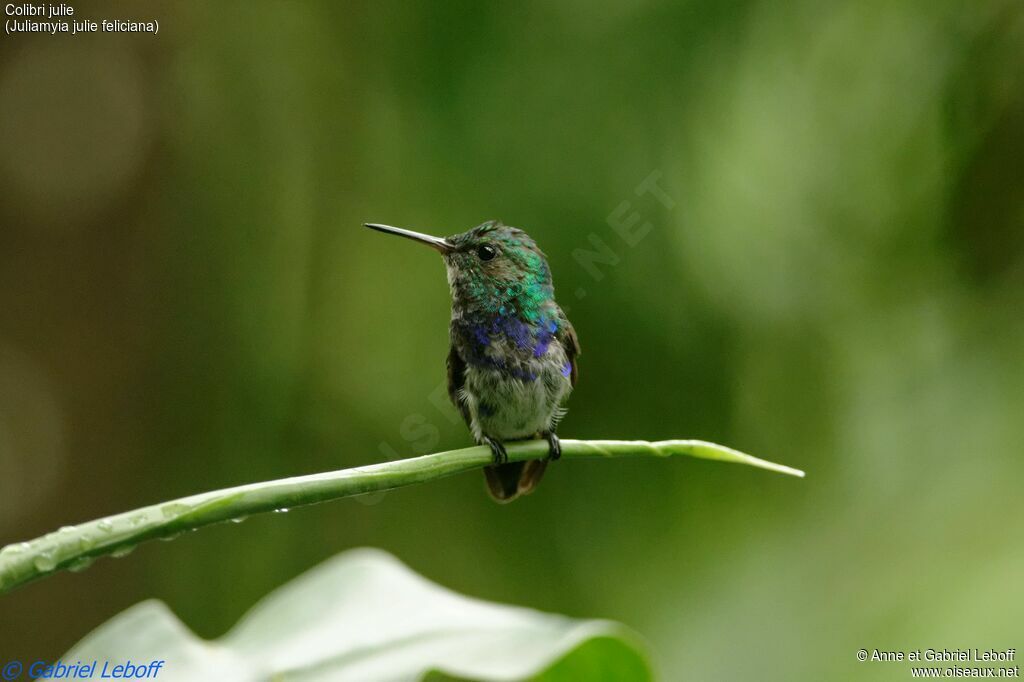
x=512, y=361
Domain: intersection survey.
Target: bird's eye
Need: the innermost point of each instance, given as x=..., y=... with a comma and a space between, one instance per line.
x=486, y=252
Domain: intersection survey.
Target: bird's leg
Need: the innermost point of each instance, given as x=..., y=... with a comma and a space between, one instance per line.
x=554, y=446
x=498, y=449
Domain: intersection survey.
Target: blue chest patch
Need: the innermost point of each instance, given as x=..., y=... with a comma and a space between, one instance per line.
x=485, y=337
x=535, y=337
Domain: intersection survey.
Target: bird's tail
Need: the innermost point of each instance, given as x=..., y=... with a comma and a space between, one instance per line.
x=506, y=482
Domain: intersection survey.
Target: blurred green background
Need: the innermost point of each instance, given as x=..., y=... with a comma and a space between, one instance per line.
x=833, y=279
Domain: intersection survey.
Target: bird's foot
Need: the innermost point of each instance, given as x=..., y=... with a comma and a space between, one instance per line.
x=497, y=449
x=554, y=445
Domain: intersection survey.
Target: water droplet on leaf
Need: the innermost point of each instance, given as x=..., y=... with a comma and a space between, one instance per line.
x=16, y=548
x=46, y=561
x=174, y=510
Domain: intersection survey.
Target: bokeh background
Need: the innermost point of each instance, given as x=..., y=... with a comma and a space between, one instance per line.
x=833, y=279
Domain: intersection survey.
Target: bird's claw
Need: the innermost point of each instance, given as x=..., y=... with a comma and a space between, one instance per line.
x=554, y=446
x=497, y=449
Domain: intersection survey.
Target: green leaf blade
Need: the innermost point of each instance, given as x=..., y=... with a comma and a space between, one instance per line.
x=76, y=547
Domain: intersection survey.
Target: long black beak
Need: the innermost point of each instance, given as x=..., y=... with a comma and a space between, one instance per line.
x=436, y=243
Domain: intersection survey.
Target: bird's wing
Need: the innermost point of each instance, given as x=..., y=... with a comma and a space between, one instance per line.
x=567, y=336
x=456, y=379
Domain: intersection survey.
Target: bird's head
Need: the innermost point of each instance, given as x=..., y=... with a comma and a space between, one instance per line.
x=493, y=269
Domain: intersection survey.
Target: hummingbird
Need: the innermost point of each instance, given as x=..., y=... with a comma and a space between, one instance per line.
x=512, y=356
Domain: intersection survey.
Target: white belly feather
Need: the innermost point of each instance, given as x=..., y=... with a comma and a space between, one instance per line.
x=508, y=408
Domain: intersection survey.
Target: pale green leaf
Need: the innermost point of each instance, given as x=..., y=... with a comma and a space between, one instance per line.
x=365, y=616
